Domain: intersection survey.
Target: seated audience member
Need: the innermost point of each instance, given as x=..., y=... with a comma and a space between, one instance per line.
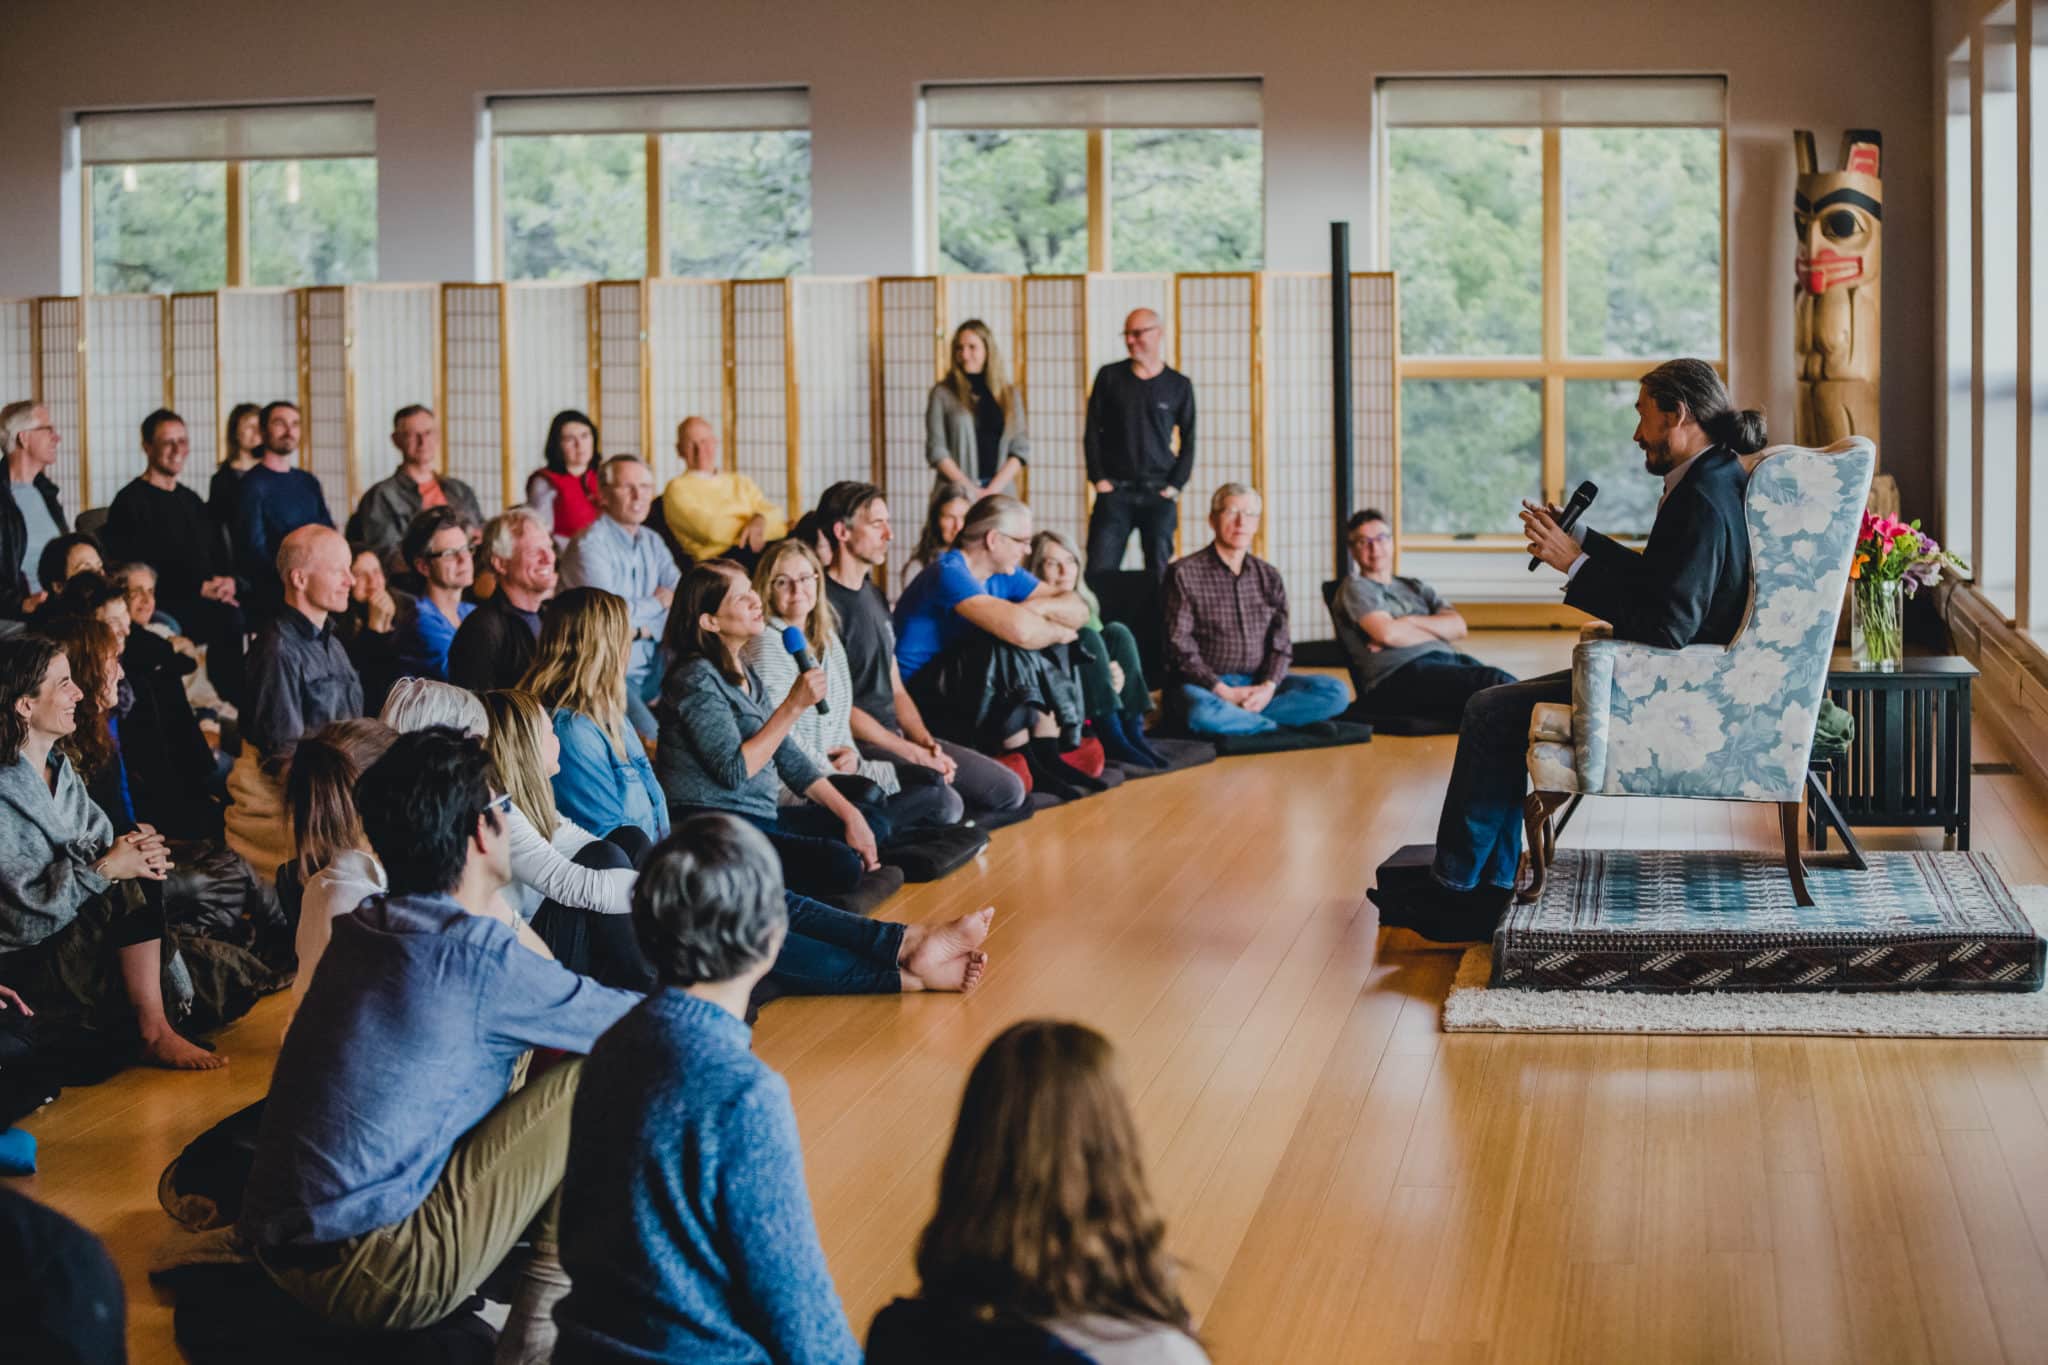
x=158, y=521
x=1046, y=1244
x=943, y=515
x=712, y=511
x=275, y=500
x=885, y=719
x=619, y=554
x=1113, y=687
x=563, y=492
x=1227, y=647
x=93, y=652
x=31, y=516
x=974, y=420
x=436, y=546
x=494, y=647
x=392, y=1170
x=81, y=910
x=578, y=677
x=969, y=636
x=787, y=581
x=65, y=557
x=1397, y=634
x=389, y=505
x=725, y=743
x=335, y=866
x=300, y=678
x=241, y=450
x=368, y=628
x=686, y=1228
x=60, y=1295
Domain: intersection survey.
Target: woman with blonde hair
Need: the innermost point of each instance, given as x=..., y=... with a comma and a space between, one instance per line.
x=789, y=580
x=1046, y=1244
x=1113, y=687
x=578, y=676
x=974, y=420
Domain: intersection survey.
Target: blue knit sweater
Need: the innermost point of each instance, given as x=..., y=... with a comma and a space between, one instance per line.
x=686, y=1228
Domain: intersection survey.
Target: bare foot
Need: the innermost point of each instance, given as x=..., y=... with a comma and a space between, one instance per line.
x=977, y=966
x=169, y=1049
x=934, y=950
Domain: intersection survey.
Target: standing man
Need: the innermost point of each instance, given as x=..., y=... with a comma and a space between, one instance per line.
x=30, y=516
x=276, y=500
x=436, y=548
x=156, y=520
x=496, y=644
x=711, y=512
x=389, y=505
x=619, y=554
x=1134, y=410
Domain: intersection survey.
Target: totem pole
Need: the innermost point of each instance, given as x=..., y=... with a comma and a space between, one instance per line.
x=1839, y=216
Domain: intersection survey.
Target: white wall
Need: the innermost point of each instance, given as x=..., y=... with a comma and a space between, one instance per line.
x=1826, y=64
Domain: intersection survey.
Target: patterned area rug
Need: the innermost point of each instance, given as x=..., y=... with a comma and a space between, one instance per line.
x=1630, y=920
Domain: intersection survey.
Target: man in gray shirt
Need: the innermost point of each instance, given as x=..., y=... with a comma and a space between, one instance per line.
x=30, y=517
x=1397, y=634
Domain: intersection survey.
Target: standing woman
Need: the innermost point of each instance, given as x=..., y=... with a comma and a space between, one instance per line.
x=1046, y=1245
x=944, y=515
x=1113, y=687
x=974, y=421
x=578, y=676
x=564, y=489
x=241, y=447
x=789, y=580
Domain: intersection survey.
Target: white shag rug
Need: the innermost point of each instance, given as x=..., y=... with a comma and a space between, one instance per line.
x=1475, y=1007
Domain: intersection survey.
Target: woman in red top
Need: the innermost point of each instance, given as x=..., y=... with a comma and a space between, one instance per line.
x=564, y=490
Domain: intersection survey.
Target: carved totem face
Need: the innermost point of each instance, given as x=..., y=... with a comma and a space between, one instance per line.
x=1839, y=215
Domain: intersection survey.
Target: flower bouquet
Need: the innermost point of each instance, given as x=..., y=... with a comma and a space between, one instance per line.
x=1893, y=561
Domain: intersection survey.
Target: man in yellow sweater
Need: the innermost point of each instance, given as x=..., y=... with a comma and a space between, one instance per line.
x=712, y=512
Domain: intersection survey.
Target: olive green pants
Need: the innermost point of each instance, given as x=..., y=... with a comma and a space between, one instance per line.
x=503, y=1180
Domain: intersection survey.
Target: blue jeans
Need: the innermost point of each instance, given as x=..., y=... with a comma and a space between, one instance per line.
x=1301, y=699
x=829, y=952
x=1479, y=834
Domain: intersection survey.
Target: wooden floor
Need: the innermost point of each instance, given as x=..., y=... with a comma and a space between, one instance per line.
x=1343, y=1182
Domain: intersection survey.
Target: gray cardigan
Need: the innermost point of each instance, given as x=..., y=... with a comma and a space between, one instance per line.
x=703, y=719
x=49, y=841
x=949, y=431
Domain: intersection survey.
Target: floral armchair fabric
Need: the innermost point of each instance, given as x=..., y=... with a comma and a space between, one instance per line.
x=1732, y=723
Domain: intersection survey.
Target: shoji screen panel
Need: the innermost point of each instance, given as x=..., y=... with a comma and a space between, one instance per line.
x=685, y=357
x=1110, y=300
x=395, y=354
x=477, y=405
x=1376, y=395
x=327, y=440
x=991, y=298
x=60, y=371
x=1300, y=480
x=1218, y=350
x=1053, y=369
x=834, y=354
x=259, y=345
x=17, y=349
x=617, y=366
x=549, y=367
x=124, y=359
x=763, y=373
x=194, y=388
x=911, y=346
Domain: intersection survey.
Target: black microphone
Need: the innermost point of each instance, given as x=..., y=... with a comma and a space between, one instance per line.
x=793, y=641
x=1582, y=498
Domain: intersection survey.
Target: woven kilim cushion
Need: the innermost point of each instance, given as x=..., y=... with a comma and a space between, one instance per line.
x=1626, y=920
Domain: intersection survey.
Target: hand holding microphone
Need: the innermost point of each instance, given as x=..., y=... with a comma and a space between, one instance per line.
x=807, y=664
x=1540, y=529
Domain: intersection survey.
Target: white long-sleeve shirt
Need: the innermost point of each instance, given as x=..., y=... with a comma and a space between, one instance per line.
x=542, y=870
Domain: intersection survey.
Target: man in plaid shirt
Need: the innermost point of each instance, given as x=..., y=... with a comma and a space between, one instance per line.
x=1227, y=647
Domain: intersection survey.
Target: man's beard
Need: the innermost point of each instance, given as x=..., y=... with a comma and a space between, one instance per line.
x=1657, y=457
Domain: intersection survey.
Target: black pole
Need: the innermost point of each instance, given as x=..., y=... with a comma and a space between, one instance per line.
x=1340, y=380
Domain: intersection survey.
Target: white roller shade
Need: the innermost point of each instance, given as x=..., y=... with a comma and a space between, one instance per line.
x=1095, y=104
x=676, y=111
x=1575, y=101
x=256, y=132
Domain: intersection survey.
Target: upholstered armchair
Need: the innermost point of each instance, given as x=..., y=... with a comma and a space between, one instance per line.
x=1724, y=724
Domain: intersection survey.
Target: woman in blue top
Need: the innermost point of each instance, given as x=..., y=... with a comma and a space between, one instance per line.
x=579, y=674
x=982, y=646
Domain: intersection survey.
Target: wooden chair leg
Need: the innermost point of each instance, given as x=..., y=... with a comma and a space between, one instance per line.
x=1539, y=843
x=1795, y=861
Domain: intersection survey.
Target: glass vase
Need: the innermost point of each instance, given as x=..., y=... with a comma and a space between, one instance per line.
x=1877, y=625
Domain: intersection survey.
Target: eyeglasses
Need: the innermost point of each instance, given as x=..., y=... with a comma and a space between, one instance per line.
x=500, y=804
x=452, y=552
x=783, y=584
x=1141, y=331
x=1377, y=538
x=1025, y=541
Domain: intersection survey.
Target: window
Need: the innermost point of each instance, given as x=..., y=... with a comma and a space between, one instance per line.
x=1060, y=179
x=185, y=200
x=1997, y=181
x=714, y=184
x=1554, y=239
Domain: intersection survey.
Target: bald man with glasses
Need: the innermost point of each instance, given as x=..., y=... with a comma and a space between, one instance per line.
x=1135, y=464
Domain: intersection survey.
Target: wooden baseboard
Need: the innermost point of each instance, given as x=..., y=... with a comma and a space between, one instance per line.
x=2011, y=691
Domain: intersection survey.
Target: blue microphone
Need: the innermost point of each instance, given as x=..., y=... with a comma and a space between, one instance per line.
x=793, y=641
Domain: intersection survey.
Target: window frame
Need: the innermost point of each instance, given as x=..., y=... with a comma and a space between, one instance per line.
x=1555, y=366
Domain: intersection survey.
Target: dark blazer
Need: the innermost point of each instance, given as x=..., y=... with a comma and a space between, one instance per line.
x=1689, y=585
x=492, y=648
x=17, y=580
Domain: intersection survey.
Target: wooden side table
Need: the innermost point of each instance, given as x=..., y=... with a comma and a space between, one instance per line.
x=1909, y=763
